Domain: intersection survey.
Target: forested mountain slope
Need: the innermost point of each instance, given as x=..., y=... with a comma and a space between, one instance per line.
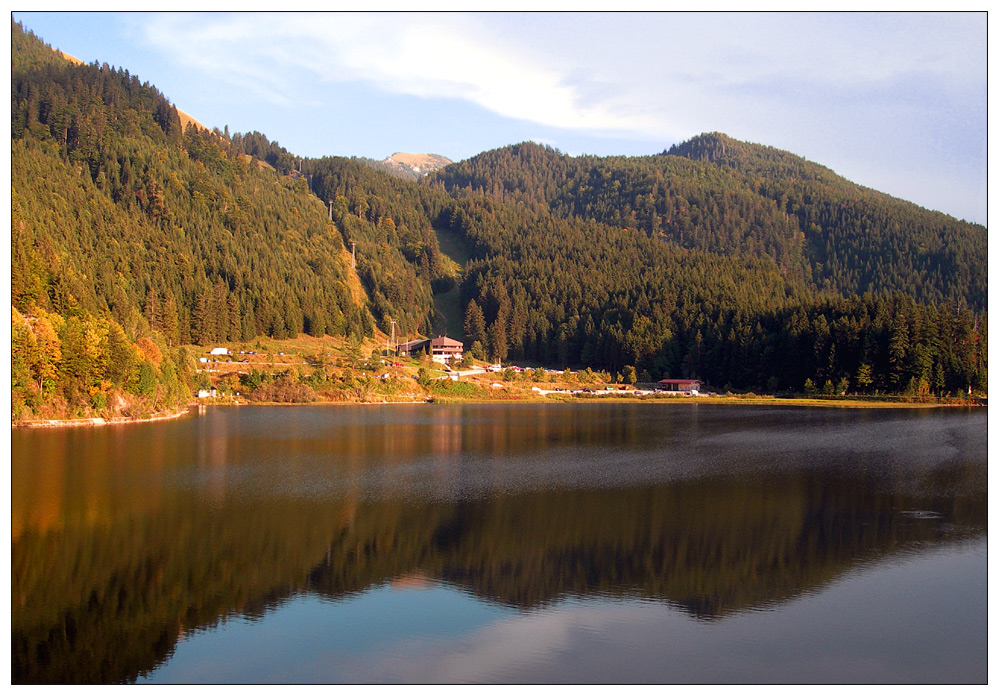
x=717, y=194
x=391, y=222
x=680, y=267
x=385, y=221
x=126, y=226
x=568, y=291
x=858, y=239
x=689, y=204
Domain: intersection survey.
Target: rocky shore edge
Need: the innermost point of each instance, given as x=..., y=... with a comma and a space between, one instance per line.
x=97, y=422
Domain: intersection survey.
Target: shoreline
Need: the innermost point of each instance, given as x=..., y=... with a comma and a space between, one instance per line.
x=621, y=398
x=196, y=408
x=101, y=422
x=740, y=401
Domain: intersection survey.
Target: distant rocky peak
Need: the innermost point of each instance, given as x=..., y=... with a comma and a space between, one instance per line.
x=417, y=165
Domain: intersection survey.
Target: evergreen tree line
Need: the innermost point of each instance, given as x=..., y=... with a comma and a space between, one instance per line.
x=238, y=251
x=858, y=239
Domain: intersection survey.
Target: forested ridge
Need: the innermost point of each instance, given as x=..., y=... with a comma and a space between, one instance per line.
x=857, y=239
x=717, y=194
x=679, y=266
x=124, y=226
x=744, y=266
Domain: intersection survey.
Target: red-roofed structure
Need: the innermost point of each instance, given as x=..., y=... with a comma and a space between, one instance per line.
x=686, y=386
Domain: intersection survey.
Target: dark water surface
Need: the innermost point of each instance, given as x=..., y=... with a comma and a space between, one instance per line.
x=504, y=543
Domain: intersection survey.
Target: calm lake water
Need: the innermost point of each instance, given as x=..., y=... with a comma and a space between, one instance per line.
x=504, y=543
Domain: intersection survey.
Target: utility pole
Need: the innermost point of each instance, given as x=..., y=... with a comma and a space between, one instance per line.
x=331, y=211
x=353, y=255
x=393, y=333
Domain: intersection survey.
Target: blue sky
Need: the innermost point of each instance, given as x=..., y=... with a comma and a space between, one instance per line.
x=893, y=101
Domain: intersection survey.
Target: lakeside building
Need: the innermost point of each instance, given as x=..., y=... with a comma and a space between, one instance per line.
x=686, y=386
x=442, y=349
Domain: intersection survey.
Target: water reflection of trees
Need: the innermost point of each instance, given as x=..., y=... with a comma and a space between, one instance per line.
x=106, y=602
x=713, y=547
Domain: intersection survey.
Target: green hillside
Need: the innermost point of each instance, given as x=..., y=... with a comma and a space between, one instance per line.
x=678, y=267
x=717, y=194
x=857, y=239
x=127, y=227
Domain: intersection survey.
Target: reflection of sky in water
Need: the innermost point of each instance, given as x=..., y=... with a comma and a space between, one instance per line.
x=315, y=639
x=933, y=629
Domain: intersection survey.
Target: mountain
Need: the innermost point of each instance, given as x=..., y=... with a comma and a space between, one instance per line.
x=858, y=239
x=689, y=267
x=720, y=195
x=417, y=164
x=742, y=265
x=407, y=165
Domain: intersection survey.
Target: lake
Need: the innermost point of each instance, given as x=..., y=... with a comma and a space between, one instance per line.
x=489, y=543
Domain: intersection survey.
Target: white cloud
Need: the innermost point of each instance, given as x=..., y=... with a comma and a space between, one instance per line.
x=825, y=86
x=641, y=75
x=422, y=55
x=234, y=49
